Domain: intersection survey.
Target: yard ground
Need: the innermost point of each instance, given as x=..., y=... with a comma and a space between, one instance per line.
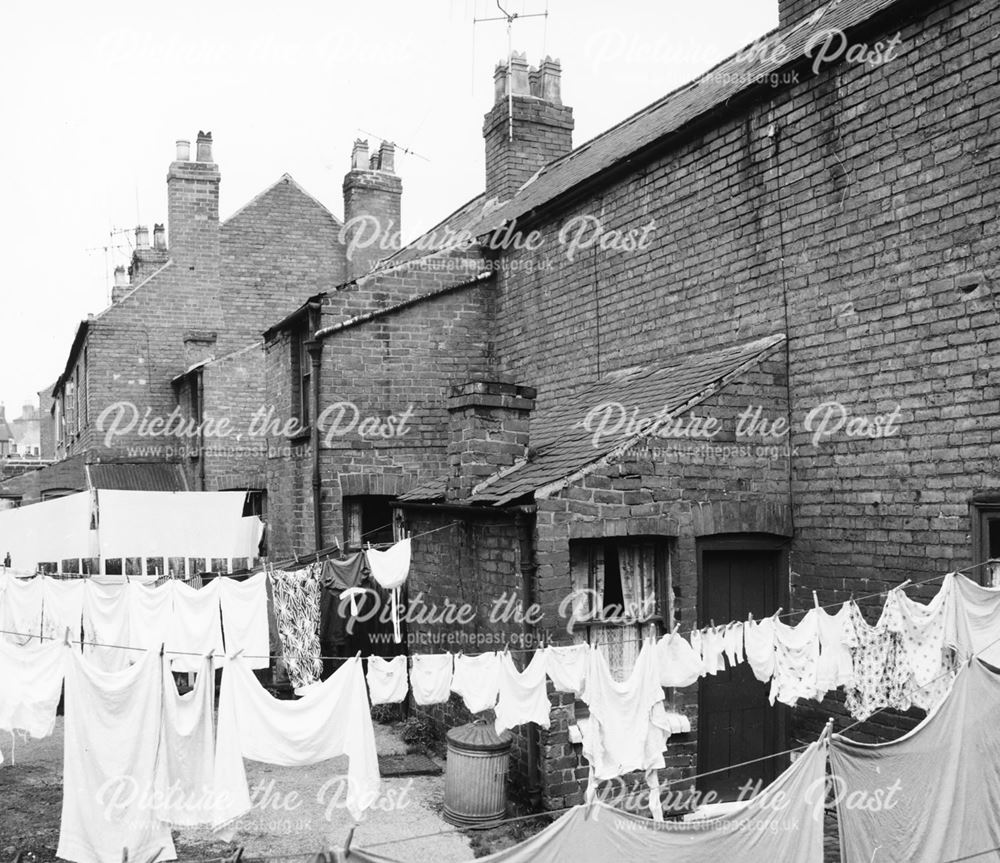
x=31, y=797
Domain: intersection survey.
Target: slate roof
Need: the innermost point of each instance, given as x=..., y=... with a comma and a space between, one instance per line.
x=624, y=142
x=433, y=489
x=561, y=444
x=733, y=77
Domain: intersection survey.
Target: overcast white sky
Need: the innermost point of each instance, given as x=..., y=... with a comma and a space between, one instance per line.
x=95, y=94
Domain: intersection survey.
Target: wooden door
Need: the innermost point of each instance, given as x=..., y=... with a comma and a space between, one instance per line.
x=735, y=721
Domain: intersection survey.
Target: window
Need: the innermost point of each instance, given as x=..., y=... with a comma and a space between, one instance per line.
x=986, y=539
x=367, y=518
x=77, y=413
x=256, y=505
x=9, y=502
x=620, y=590
x=86, y=388
x=301, y=378
x=194, y=404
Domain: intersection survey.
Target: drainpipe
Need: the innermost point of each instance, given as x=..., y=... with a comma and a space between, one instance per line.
x=315, y=349
x=524, y=522
x=201, y=429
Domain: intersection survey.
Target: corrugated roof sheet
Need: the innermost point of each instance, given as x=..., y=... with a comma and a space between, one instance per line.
x=140, y=476
x=562, y=444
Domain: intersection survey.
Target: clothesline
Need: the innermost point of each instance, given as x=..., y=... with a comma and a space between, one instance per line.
x=668, y=783
x=627, y=642
x=684, y=780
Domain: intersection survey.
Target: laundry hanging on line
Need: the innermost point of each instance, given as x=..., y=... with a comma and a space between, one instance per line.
x=782, y=823
x=933, y=794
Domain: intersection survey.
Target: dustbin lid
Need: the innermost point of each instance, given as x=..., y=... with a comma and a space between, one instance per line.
x=479, y=736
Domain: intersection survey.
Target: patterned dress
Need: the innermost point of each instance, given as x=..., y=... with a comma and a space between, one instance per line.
x=296, y=610
x=882, y=677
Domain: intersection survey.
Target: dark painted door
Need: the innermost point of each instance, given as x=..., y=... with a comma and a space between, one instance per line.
x=735, y=721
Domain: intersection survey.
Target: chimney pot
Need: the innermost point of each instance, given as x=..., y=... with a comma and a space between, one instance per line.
x=204, y=147
x=499, y=83
x=121, y=278
x=142, y=237
x=550, y=81
x=183, y=151
x=373, y=163
x=521, y=85
x=359, y=155
x=159, y=237
x=387, y=157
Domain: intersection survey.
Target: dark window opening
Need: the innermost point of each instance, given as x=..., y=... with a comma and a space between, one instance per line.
x=620, y=595
x=368, y=518
x=175, y=567
x=133, y=566
x=301, y=377
x=71, y=566
x=91, y=565
x=986, y=541
x=113, y=566
x=196, y=566
x=154, y=566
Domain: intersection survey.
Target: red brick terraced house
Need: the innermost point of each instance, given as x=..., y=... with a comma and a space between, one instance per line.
x=182, y=336
x=798, y=251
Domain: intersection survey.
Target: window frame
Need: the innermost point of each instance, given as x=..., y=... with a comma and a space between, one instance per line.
x=301, y=363
x=348, y=504
x=982, y=510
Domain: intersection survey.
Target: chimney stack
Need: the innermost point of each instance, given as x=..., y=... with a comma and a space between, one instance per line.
x=488, y=430
x=146, y=260
x=542, y=126
x=193, y=212
x=121, y=285
x=372, y=196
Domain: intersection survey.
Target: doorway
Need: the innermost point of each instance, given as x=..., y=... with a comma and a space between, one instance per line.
x=736, y=723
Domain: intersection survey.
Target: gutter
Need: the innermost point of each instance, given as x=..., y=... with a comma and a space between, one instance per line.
x=379, y=313
x=453, y=508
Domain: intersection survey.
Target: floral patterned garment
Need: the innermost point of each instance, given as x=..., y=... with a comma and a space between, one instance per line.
x=921, y=629
x=882, y=677
x=296, y=610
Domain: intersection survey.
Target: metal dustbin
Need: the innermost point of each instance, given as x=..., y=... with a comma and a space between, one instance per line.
x=475, y=785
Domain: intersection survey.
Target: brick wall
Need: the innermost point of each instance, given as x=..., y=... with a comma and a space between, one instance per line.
x=878, y=194
x=468, y=561
x=269, y=257
x=233, y=391
x=395, y=366
x=278, y=250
